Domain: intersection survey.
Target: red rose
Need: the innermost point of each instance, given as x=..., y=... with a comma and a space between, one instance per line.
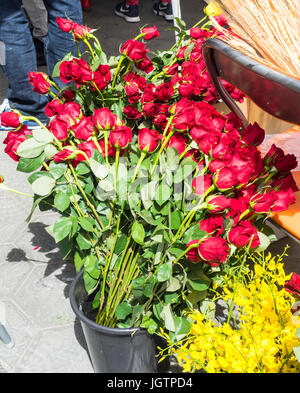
x=13, y=141
x=150, y=33
x=72, y=109
x=283, y=200
x=197, y=32
x=241, y=235
x=171, y=70
x=10, y=119
x=195, y=154
x=102, y=76
x=262, y=203
x=131, y=112
x=212, y=225
x=286, y=163
x=217, y=203
x=148, y=93
x=193, y=254
x=65, y=25
x=253, y=135
x=104, y=119
x=226, y=178
x=88, y=148
x=133, y=92
x=206, y=140
x=180, y=53
x=164, y=91
x=138, y=79
x=214, y=250
x=121, y=136
x=273, y=154
x=284, y=183
x=59, y=129
x=80, y=32
x=201, y=184
x=151, y=109
x=145, y=65
x=293, y=285
x=178, y=142
x=135, y=50
x=148, y=139
x=77, y=70
x=236, y=208
x=84, y=129
x=160, y=121
x=183, y=121
x=68, y=95
x=39, y=81
x=54, y=108
x=65, y=154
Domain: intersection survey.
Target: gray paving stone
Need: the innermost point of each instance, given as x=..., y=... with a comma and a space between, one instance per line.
x=55, y=351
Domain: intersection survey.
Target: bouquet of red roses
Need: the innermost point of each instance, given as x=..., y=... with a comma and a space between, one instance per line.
x=156, y=189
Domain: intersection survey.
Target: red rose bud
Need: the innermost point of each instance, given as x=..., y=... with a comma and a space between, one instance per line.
x=150, y=32
x=81, y=32
x=1, y=179
x=64, y=155
x=217, y=203
x=65, y=25
x=171, y=70
x=39, y=81
x=201, y=184
x=135, y=50
x=148, y=139
x=10, y=119
x=197, y=32
x=180, y=53
x=193, y=254
x=293, y=285
x=212, y=225
x=84, y=129
x=242, y=234
x=226, y=178
x=253, y=135
x=214, y=250
x=69, y=95
x=104, y=119
x=273, y=154
x=120, y=137
x=133, y=92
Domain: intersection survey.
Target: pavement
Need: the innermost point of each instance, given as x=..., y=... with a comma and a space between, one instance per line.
x=34, y=282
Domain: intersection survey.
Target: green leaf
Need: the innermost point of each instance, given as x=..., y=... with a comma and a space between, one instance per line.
x=28, y=165
x=42, y=135
x=138, y=233
x=50, y=151
x=164, y=272
x=297, y=352
x=149, y=286
x=57, y=170
x=86, y=223
x=163, y=194
x=264, y=242
x=90, y=266
x=137, y=287
x=62, y=228
x=176, y=219
x=43, y=185
x=199, y=285
x=123, y=310
x=168, y=318
x=62, y=201
x=90, y=283
x=82, y=242
x=30, y=148
x=78, y=261
x=149, y=324
x=182, y=326
x=99, y=170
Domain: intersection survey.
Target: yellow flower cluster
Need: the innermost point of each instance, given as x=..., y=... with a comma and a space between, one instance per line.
x=264, y=341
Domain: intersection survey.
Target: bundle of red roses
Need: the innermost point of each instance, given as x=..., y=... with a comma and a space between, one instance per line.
x=156, y=188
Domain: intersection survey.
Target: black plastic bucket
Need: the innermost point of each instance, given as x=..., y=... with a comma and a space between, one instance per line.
x=113, y=350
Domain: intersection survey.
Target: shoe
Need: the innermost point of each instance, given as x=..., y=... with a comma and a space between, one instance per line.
x=129, y=12
x=4, y=107
x=164, y=10
x=86, y=5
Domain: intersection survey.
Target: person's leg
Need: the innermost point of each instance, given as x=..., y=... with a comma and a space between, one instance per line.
x=59, y=43
x=20, y=59
x=38, y=16
x=128, y=10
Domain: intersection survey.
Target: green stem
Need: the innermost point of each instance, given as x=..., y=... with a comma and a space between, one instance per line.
x=90, y=48
x=143, y=155
x=116, y=166
x=97, y=41
x=117, y=70
x=4, y=187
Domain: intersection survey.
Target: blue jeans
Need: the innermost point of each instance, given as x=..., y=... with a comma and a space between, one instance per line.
x=20, y=55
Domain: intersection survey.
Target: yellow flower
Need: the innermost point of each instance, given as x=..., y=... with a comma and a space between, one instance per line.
x=213, y=9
